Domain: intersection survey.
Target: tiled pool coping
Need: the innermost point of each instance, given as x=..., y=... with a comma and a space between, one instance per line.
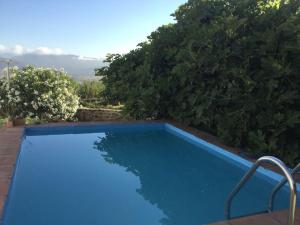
x=10, y=140
x=275, y=218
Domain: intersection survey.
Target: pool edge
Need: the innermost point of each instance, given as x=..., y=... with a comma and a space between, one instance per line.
x=223, y=153
x=14, y=165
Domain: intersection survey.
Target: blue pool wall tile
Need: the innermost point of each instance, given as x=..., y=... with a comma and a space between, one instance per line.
x=234, y=159
x=78, y=128
x=244, y=164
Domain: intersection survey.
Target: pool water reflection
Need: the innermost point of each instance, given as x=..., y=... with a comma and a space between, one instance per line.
x=125, y=177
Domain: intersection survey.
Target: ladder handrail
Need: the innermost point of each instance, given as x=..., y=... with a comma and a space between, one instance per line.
x=280, y=185
x=252, y=170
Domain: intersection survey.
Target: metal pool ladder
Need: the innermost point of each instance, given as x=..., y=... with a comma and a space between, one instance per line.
x=288, y=178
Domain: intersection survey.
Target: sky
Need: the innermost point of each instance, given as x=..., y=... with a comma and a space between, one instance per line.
x=90, y=28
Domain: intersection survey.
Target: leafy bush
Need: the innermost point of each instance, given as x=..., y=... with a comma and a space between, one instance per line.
x=90, y=89
x=2, y=121
x=91, y=93
x=230, y=67
x=46, y=94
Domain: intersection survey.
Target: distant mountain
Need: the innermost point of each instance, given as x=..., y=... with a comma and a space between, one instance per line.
x=80, y=68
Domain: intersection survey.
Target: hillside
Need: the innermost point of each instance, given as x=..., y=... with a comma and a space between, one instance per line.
x=79, y=68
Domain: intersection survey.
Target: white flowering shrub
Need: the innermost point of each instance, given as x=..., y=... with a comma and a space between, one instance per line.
x=5, y=108
x=41, y=93
x=3, y=96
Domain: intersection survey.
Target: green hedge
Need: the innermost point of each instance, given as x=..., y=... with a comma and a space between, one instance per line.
x=230, y=67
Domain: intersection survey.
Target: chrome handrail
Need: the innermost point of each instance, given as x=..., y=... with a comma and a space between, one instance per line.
x=280, y=185
x=252, y=170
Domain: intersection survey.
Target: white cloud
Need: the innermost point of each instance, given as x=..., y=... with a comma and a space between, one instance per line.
x=87, y=58
x=20, y=50
x=2, y=48
x=48, y=51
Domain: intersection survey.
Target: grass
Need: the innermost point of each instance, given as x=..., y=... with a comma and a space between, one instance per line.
x=119, y=107
x=29, y=121
x=2, y=121
x=93, y=105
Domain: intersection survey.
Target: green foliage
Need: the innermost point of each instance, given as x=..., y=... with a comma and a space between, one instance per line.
x=3, y=120
x=44, y=94
x=230, y=67
x=90, y=89
x=91, y=93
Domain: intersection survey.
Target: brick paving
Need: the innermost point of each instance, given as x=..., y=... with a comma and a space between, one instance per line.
x=275, y=218
x=10, y=140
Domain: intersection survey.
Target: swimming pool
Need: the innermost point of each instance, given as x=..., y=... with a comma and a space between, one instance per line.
x=142, y=174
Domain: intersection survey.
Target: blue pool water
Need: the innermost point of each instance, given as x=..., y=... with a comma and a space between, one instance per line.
x=125, y=175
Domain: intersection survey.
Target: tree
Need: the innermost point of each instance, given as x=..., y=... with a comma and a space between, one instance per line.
x=230, y=67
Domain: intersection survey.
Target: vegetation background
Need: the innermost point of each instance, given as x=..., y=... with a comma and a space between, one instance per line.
x=229, y=67
x=91, y=93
